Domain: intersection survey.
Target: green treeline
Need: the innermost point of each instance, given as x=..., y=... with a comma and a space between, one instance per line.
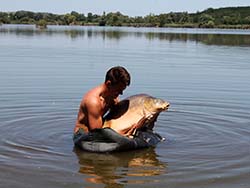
x=231, y=17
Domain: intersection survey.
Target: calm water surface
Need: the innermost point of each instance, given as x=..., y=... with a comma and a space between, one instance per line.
x=204, y=74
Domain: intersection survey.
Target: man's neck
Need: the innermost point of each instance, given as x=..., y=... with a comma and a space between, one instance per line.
x=104, y=91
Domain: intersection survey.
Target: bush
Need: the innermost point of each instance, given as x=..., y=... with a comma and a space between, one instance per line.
x=42, y=24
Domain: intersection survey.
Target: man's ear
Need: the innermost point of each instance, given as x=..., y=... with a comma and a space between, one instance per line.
x=108, y=83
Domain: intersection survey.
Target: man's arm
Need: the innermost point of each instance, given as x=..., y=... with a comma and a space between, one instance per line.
x=94, y=114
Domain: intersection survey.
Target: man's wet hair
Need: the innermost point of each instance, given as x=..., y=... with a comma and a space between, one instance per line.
x=118, y=75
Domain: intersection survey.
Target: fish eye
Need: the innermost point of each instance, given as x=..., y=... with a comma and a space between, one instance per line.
x=157, y=101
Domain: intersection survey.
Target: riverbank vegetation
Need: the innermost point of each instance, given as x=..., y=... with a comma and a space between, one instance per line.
x=230, y=17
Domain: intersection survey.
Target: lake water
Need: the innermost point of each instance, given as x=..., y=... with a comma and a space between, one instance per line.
x=204, y=74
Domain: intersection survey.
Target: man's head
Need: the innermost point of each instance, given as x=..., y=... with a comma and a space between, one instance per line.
x=117, y=75
x=117, y=79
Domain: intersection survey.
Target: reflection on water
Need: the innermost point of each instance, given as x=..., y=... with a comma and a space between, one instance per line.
x=117, y=169
x=204, y=35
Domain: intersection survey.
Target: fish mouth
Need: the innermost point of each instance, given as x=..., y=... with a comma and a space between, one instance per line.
x=166, y=106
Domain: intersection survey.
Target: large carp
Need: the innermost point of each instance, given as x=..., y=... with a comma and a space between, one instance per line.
x=127, y=113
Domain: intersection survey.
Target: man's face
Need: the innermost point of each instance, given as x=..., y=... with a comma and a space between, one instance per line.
x=116, y=90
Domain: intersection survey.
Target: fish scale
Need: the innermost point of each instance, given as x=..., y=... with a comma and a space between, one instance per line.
x=131, y=110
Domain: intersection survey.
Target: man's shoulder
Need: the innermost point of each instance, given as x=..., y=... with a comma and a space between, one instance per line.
x=93, y=93
x=91, y=98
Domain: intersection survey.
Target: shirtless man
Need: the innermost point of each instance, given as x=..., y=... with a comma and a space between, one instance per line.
x=100, y=99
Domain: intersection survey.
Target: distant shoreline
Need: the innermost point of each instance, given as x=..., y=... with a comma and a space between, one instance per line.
x=221, y=18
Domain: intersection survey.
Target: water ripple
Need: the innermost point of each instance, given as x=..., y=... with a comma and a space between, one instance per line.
x=206, y=128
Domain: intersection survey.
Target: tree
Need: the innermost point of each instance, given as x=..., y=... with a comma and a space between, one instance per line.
x=76, y=14
x=152, y=20
x=23, y=14
x=114, y=19
x=246, y=20
x=170, y=18
x=210, y=24
x=227, y=20
x=162, y=20
x=4, y=18
x=103, y=20
x=184, y=17
x=89, y=17
x=69, y=19
x=206, y=20
x=82, y=18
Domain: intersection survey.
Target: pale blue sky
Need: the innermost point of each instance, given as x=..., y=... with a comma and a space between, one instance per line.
x=127, y=7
